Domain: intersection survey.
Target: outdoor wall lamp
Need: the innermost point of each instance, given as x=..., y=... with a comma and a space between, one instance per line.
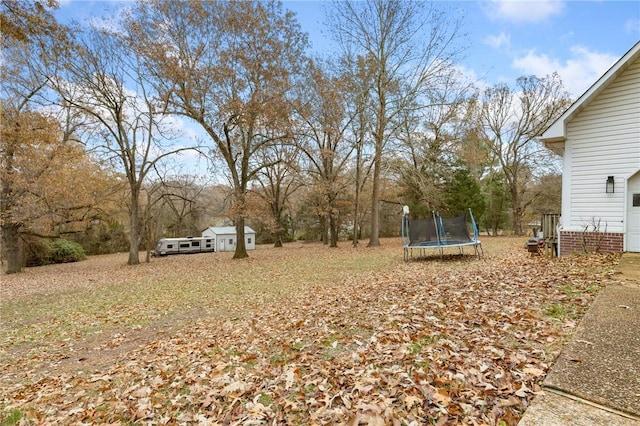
x=610, y=185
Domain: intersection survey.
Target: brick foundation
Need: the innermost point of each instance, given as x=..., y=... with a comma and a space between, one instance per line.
x=571, y=241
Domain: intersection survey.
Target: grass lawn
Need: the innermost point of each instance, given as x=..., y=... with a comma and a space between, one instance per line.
x=299, y=335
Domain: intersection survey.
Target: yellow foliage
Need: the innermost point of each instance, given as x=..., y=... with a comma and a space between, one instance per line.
x=47, y=182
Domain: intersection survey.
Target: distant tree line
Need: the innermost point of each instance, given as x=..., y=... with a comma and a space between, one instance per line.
x=299, y=147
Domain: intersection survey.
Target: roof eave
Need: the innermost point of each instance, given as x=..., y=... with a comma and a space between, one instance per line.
x=555, y=145
x=557, y=131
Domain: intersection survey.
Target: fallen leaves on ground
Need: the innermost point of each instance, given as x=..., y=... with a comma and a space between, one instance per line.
x=457, y=341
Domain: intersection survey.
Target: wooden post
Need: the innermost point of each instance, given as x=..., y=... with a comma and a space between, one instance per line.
x=550, y=232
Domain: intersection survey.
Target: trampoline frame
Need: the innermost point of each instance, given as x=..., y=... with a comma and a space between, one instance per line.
x=444, y=237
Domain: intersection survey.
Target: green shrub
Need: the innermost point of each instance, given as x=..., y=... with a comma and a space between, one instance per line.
x=44, y=252
x=37, y=251
x=64, y=251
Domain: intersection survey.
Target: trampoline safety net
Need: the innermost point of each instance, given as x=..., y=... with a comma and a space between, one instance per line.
x=439, y=233
x=422, y=231
x=454, y=230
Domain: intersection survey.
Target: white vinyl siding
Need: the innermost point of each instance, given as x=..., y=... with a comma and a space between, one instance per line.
x=225, y=237
x=605, y=141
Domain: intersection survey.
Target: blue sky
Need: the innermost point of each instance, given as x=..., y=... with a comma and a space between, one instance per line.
x=507, y=38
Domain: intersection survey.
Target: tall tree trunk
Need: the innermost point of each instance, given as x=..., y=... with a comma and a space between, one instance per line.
x=356, y=207
x=333, y=228
x=377, y=161
x=12, y=244
x=356, y=222
x=277, y=214
x=517, y=213
x=375, y=201
x=241, y=247
x=324, y=229
x=278, y=234
x=10, y=230
x=134, y=246
x=516, y=209
x=278, y=239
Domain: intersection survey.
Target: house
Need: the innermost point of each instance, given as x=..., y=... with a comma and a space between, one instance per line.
x=225, y=237
x=599, y=139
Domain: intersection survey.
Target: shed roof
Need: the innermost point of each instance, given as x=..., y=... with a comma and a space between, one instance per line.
x=228, y=230
x=556, y=133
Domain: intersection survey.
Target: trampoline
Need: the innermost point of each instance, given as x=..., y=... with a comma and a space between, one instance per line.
x=438, y=233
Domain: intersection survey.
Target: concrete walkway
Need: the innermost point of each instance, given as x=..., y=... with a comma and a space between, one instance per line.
x=596, y=379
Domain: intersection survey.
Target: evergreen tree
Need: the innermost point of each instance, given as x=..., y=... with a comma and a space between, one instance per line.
x=463, y=192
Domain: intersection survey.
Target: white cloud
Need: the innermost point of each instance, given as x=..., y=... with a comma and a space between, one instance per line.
x=578, y=72
x=497, y=41
x=523, y=11
x=632, y=26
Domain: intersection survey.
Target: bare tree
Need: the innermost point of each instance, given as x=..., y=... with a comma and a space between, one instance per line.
x=324, y=122
x=429, y=138
x=511, y=120
x=181, y=204
x=229, y=67
x=278, y=182
x=357, y=77
x=408, y=45
x=130, y=129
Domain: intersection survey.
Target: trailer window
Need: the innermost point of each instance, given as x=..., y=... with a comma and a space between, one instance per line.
x=184, y=245
x=195, y=243
x=169, y=246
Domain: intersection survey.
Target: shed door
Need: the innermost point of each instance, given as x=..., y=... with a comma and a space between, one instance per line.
x=633, y=213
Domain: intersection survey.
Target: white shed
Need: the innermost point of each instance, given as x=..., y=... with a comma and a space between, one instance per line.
x=225, y=237
x=599, y=139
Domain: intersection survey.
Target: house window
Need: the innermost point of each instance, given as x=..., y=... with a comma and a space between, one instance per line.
x=636, y=200
x=249, y=240
x=230, y=241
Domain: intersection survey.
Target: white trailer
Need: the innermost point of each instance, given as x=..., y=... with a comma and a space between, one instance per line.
x=184, y=245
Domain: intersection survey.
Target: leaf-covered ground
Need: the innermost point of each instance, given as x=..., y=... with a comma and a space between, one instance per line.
x=299, y=335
